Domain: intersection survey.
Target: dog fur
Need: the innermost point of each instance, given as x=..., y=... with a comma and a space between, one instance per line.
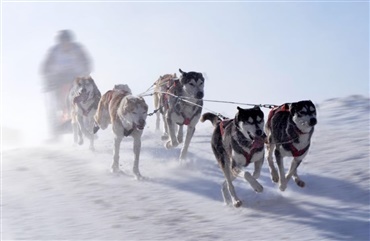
x=127, y=114
x=83, y=100
x=289, y=130
x=102, y=117
x=161, y=86
x=186, y=111
x=236, y=143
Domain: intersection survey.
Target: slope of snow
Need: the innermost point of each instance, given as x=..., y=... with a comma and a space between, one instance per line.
x=60, y=191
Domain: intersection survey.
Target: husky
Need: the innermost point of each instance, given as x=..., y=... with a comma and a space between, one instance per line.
x=162, y=85
x=127, y=114
x=102, y=117
x=289, y=129
x=184, y=107
x=83, y=99
x=236, y=143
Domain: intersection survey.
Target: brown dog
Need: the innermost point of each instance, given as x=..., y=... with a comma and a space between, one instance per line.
x=127, y=114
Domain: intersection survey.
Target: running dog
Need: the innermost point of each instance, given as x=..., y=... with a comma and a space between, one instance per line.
x=127, y=114
x=184, y=107
x=102, y=117
x=289, y=130
x=236, y=143
x=83, y=100
x=162, y=85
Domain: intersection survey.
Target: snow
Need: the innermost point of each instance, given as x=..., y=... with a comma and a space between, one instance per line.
x=64, y=192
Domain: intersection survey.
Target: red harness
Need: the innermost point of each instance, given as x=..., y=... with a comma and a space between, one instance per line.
x=295, y=152
x=257, y=143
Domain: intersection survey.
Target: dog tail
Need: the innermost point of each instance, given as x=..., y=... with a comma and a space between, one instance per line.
x=211, y=117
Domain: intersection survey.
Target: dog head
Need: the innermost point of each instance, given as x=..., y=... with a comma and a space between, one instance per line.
x=135, y=111
x=123, y=88
x=250, y=122
x=193, y=83
x=165, y=81
x=85, y=88
x=303, y=114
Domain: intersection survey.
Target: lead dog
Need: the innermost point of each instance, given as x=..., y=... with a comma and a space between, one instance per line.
x=236, y=143
x=127, y=114
x=83, y=100
x=185, y=104
x=162, y=85
x=289, y=130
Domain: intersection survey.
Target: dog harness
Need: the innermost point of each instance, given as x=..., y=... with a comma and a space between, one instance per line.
x=295, y=152
x=257, y=143
x=77, y=101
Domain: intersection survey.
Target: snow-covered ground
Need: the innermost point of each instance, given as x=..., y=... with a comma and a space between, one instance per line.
x=60, y=191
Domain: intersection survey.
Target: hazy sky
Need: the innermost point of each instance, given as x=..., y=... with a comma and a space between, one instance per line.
x=251, y=52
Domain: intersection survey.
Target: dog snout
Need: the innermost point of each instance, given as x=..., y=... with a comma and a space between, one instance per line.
x=259, y=132
x=313, y=121
x=200, y=95
x=141, y=124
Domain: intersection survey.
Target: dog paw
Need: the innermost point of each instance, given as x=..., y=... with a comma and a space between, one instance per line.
x=256, y=175
x=164, y=137
x=92, y=148
x=258, y=187
x=282, y=187
x=180, y=139
x=170, y=144
x=115, y=169
x=300, y=183
x=274, y=176
x=81, y=142
x=238, y=203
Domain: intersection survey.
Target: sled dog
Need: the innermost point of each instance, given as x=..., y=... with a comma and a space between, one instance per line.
x=127, y=114
x=161, y=86
x=102, y=117
x=83, y=100
x=236, y=143
x=184, y=104
x=289, y=129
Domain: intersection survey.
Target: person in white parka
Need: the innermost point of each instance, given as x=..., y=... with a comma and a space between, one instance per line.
x=64, y=62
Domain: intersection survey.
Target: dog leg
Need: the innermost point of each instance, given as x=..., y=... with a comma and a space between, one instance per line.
x=189, y=135
x=172, y=142
x=75, y=131
x=257, y=187
x=257, y=168
x=229, y=179
x=90, y=127
x=225, y=193
x=117, y=144
x=293, y=172
x=280, y=163
x=273, y=172
x=156, y=105
x=180, y=133
x=137, y=148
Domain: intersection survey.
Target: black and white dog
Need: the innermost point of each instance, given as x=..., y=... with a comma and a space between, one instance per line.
x=236, y=143
x=289, y=129
x=184, y=104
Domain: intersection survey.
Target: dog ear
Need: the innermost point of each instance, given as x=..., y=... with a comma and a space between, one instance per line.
x=292, y=107
x=257, y=107
x=182, y=72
